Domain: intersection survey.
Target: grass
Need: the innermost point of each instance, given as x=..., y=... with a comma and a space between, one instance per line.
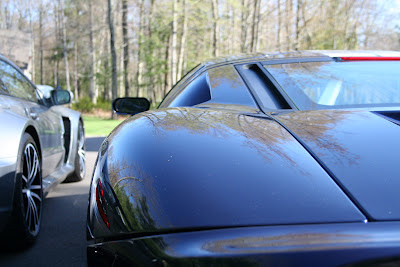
x=95, y=126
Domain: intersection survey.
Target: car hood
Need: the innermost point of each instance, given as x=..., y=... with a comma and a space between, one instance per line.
x=361, y=151
x=192, y=168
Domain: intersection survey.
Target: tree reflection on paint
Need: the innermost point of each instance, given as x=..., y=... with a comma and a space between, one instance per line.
x=134, y=205
x=319, y=130
x=262, y=135
x=144, y=182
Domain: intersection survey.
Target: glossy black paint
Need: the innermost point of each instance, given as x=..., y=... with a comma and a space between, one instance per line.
x=361, y=150
x=130, y=105
x=204, y=160
x=228, y=180
x=303, y=245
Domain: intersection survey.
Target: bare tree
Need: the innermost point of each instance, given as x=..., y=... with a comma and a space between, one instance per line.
x=114, y=79
x=174, y=37
x=214, y=5
x=125, y=44
x=288, y=24
x=278, y=30
x=183, y=41
x=92, y=77
x=254, y=26
x=41, y=13
x=64, y=40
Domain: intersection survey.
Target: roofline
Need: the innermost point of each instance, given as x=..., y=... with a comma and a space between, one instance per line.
x=243, y=58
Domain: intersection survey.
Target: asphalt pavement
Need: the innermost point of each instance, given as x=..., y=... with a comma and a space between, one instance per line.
x=62, y=238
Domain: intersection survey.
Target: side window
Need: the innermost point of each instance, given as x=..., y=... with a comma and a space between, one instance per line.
x=17, y=85
x=196, y=92
x=3, y=88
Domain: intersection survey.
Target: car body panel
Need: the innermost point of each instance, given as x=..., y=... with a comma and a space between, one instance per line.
x=361, y=149
x=189, y=187
x=51, y=134
x=301, y=245
x=10, y=138
x=9, y=142
x=44, y=123
x=72, y=115
x=75, y=118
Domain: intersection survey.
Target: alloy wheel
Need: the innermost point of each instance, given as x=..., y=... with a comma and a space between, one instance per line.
x=32, y=189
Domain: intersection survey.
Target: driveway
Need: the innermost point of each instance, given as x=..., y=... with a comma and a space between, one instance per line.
x=62, y=239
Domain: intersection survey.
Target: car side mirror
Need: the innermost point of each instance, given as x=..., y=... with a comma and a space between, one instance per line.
x=60, y=97
x=130, y=105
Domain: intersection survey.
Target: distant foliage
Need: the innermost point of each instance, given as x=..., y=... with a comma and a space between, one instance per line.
x=83, y=105
x=103, y=104
x=86, y=105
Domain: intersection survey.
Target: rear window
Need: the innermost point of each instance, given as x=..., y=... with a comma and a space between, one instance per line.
x=322, y=85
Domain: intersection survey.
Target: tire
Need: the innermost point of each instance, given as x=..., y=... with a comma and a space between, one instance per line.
x=80, y=160
x=26, y=218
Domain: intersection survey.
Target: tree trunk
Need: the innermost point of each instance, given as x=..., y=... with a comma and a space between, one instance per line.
x=76, y=76
x=167, y=76
x=288, y=23
x=214, y=5
x=253, y=41
x=41, y=43
x=257, y=35
x=278, y=33
x=125, y=44
x=297, y=29
x=139, y=53
x=32, y=43
x=55, y=51
x=183, y=42
x=92, y=78
x=64, y=35
x=243, y=36
x=151, y=80
x=114, y=81
x=174, y=48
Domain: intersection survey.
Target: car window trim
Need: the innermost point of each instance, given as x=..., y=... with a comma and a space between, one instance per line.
x=295, y=60
x=278, y=87
x=253, y=91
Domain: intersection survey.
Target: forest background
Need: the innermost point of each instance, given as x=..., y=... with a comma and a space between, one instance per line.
x=103, y=49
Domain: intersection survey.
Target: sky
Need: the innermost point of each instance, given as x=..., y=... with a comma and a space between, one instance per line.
x=393, y=7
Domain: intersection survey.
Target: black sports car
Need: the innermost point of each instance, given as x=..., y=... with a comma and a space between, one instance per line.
x=278, y=159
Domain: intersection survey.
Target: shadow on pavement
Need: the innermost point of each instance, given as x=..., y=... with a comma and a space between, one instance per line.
x=62, y=239
x=93, y=143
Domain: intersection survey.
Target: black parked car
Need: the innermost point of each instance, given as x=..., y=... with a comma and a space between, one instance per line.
x=278, y=159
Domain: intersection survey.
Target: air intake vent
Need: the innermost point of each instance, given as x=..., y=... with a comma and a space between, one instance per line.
x=67, y=137
x=393, y=115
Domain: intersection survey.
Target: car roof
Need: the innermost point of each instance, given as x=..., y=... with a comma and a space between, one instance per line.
x=360, y=53
x=298, y=54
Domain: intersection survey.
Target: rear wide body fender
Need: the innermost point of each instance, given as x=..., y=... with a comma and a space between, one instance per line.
x=192, y=168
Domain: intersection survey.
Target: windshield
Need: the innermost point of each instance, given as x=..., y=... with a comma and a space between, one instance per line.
x=332, y=84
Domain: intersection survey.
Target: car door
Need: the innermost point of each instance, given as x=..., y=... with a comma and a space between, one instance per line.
x=23, y=100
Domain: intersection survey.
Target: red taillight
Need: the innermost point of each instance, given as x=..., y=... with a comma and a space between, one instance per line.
x=100, y=200
x=369, y=58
